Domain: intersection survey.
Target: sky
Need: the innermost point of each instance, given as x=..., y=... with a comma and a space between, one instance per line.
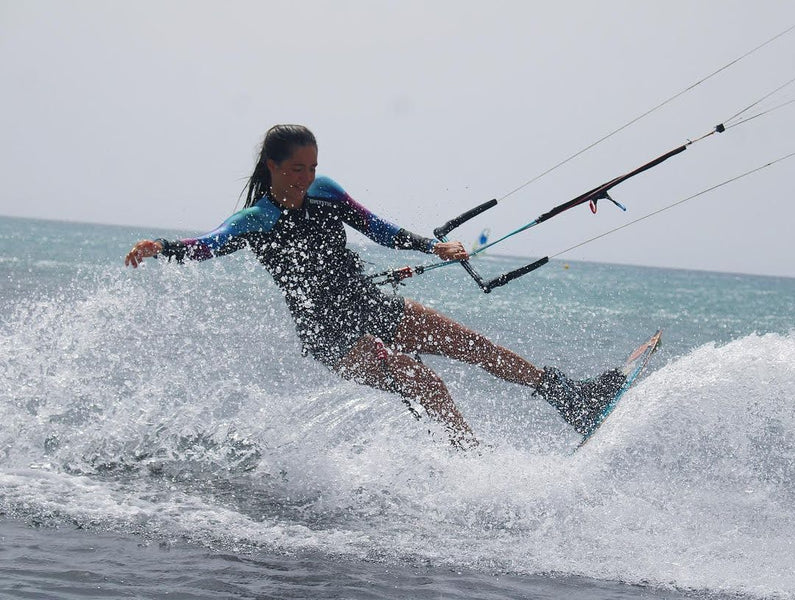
x=151, y=114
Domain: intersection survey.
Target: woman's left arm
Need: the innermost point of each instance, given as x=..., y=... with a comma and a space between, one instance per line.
x=380, y=230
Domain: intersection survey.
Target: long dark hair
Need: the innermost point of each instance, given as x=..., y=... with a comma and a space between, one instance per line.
x=280, y=142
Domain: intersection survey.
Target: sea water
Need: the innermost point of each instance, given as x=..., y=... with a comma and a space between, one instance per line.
x=162, y=436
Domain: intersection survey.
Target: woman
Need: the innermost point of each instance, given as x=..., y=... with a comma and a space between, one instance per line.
x=293, y=222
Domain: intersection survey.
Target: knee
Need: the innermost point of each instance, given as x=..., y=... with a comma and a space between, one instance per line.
x=413, y=379
x=362, y=363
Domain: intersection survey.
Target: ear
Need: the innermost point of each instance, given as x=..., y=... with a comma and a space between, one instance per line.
x=272, y=166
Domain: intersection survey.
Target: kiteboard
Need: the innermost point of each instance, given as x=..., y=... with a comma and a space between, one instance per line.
x=635, y=365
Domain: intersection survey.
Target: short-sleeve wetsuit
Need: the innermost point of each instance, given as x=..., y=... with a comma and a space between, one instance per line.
x=332, y=302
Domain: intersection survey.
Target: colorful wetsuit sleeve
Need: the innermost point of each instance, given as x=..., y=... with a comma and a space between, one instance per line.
x=228, y=237
x=357, y=216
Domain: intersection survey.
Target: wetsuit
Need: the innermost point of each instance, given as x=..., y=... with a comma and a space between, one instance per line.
x=332, y=302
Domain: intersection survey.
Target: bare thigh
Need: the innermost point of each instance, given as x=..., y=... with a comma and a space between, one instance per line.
x=426, y=331
x=369, y=363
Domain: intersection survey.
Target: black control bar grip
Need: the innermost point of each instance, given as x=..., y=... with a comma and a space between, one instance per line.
x=511, y=275
x=443, y=230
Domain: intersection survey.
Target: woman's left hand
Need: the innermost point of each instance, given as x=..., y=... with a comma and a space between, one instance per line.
x=450, y=251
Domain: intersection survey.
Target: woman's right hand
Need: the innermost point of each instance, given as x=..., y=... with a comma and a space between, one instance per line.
x=141, y=250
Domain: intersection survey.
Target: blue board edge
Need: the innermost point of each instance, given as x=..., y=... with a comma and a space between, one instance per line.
x=640, y=363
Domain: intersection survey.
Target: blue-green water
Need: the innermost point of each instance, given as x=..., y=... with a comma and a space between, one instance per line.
x=171, y=406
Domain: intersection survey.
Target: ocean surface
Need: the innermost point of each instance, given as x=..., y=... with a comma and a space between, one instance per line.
x=162, y=437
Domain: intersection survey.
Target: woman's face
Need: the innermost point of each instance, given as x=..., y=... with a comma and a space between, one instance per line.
x=291, y=178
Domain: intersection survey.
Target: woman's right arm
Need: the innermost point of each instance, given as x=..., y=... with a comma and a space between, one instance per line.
x=230, y=236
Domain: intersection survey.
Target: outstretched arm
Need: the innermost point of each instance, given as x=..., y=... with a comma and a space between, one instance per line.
x=230, y=236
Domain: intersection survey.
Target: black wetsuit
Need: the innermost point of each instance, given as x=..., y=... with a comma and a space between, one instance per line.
x=332, y=302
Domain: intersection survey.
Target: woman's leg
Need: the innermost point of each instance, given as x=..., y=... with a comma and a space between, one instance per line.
x=370, y=363
x=579, y=402
x=426, y=331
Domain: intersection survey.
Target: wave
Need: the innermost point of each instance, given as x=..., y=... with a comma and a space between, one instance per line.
x=148, y=407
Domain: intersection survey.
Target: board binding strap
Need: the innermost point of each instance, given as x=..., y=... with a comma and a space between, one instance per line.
x=632, y=369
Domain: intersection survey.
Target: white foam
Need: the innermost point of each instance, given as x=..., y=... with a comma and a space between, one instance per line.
x=191, y=420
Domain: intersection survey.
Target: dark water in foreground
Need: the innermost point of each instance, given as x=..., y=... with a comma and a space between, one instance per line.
x=69, y=563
